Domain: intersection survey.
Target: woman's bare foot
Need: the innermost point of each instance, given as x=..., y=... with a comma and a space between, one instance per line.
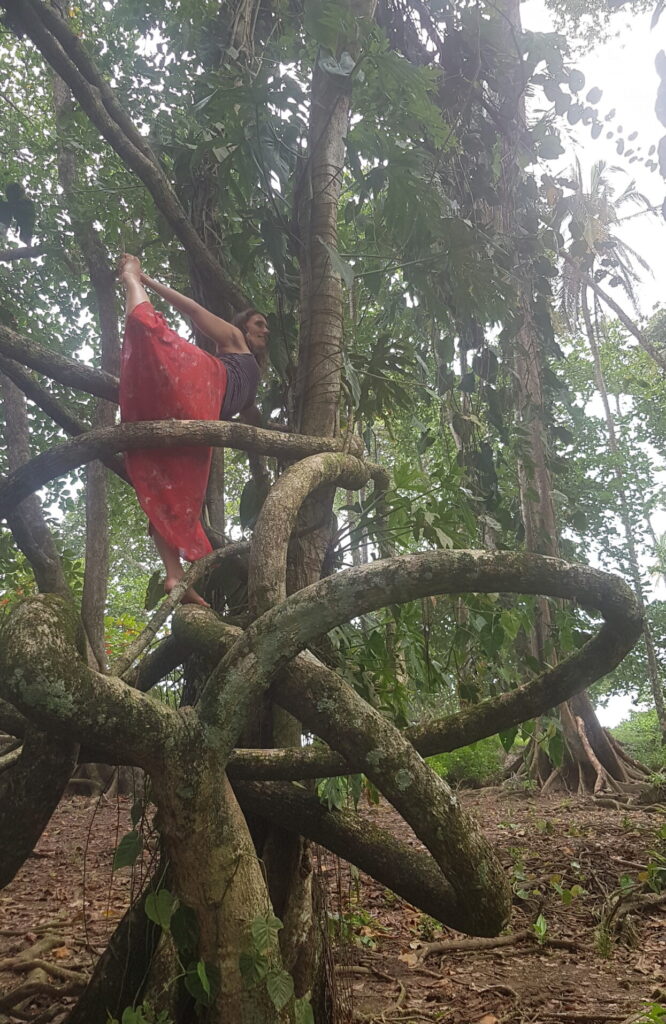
x=189, y=597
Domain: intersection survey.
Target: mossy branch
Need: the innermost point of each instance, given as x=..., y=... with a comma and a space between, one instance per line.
x=107, y=441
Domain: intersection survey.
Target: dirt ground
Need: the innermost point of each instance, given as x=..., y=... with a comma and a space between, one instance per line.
x=568, y=859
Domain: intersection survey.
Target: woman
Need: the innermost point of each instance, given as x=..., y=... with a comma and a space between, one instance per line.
x=162, y=376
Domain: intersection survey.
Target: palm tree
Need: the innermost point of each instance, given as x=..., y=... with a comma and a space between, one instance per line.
x=596, y=252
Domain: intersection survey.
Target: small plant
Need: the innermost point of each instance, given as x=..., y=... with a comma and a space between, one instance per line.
x=427, y=928
x=356, y=927
x=652, y=1013
x=544, y=827
x=603, y=940
x=566, y=895
x=478, y=764
x=654, y=875
x=540, y=928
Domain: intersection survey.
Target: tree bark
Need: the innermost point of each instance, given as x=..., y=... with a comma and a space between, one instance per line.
x=102, y=279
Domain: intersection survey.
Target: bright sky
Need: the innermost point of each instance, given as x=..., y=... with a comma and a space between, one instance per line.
x=623, y=68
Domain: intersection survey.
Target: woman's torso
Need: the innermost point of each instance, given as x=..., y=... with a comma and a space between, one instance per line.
x=242, y=381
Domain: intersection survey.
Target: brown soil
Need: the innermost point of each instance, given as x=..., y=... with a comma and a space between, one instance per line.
x=67, y=889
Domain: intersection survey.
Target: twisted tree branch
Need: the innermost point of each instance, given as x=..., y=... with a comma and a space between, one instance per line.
x=410, y=873
x=42, y=398
x=43, y=676
x=196, y=571
x=26, y=252
x=267, y=579
x=100, y=443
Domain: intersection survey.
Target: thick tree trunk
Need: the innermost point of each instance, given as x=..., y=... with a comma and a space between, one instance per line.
x=217, y=874
x=536, y=494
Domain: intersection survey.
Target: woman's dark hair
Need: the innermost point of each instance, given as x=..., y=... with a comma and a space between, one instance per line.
x=241, y=320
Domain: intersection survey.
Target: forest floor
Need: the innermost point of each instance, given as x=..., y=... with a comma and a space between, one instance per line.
x=567, y=858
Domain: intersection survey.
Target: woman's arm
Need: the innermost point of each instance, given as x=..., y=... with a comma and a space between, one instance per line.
x=227, y=337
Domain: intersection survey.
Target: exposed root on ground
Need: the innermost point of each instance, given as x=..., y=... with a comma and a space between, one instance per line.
x=461, y=945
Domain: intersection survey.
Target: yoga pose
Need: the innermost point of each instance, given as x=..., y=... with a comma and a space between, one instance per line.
x=162, y=376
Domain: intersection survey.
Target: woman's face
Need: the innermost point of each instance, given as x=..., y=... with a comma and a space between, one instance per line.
x=256, y=333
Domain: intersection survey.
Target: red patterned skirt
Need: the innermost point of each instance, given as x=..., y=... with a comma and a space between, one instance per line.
x=164, y=377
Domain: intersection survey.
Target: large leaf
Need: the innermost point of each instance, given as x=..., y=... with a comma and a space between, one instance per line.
x=280, y=987
x=160, y=907
x=128, y=850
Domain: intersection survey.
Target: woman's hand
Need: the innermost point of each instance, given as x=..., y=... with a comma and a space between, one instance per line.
x=128, y=266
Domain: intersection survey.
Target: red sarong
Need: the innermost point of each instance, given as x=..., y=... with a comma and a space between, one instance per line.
x=164, y=377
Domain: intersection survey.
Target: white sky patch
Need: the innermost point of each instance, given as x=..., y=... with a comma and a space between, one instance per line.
x=623, y=68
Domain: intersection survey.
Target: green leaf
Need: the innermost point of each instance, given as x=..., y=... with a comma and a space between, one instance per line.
x=194, y=985
x=253, y=967
x=342, y=68
x=303, y=1012
x=468, y=383
x=154, y=590
x=136, y=813
x=129, y=848
x=203, y=977
x=185, y=932
x=252, y=499
x=576, y=80
x=550, y=148
x=340, y=266
x=265, y=932
x=280, y=987
x=507, y=736
x=160, y=907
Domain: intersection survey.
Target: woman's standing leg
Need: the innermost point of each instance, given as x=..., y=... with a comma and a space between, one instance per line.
x=135, y=294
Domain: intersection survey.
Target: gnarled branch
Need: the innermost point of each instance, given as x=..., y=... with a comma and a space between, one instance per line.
x=25, y=252
x=193, y=574
x=42, y=674
x=268, y=555
x=101, y=443
x=410, y=873
x=280, y=633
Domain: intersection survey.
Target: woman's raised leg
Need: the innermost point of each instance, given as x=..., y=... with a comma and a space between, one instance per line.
x=129, y=271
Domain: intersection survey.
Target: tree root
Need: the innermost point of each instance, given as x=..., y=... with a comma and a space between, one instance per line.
x=354, y=969
x=26, y=956
x=603, y=778
x=63, y=973
x=464, y=945
x=38, y=988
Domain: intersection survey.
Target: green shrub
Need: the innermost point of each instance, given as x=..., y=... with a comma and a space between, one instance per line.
x=477, y=765
x=641, y=737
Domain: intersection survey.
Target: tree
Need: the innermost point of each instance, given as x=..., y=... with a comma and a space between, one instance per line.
x=594, y=214
x=220, y=133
